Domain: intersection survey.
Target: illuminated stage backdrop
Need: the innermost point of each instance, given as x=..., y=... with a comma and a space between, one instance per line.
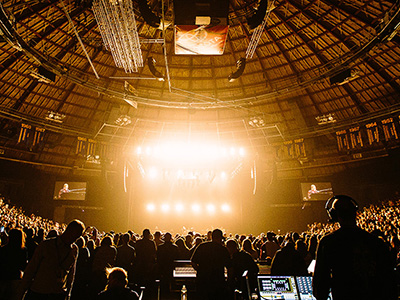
x=178, y=192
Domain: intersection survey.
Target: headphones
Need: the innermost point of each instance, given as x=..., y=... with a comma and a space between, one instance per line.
x=333, y=212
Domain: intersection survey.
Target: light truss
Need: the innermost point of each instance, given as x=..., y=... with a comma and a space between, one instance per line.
x=117, y=25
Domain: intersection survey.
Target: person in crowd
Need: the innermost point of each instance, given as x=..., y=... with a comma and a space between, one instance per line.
x=40, y=234
x=184, y=252
x=158, y=238
x=145, y=266
x=287, y=261
x=117, y=286
x=248, y=247
x=50, y=272
x=104, y=257
x=82, y=272
x=167, y=253
x=269, y=248
x=197, y=241
x=350, y=262
x=312, y=246
x=189, y=241
x=126, y=255
x=13, y=260
x=30, y=243
x=209, y=260
x=241, y=261
x=301, y=248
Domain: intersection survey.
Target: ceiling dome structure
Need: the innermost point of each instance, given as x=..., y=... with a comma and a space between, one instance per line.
x=307, y=76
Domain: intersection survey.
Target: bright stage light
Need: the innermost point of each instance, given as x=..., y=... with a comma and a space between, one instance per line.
x=223, y=176
x=153, y=173
x=180, y=174
x=225, y=208
x=148, y=151
x=157, y=152
x=242, y=153
x=196, y=208
x=211, y=208
x=232, y=151
x=179, y=207
x=194, y=152
x=150, y=207
x=165, y=207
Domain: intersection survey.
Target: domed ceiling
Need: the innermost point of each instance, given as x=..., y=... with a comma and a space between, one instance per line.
x=309, y=71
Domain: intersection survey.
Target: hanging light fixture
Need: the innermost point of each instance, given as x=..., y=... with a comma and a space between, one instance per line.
x=117, y=25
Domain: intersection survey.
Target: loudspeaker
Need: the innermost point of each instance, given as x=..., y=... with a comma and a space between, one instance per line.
x=148, y=16
x=240, y=65
x=46, y=73
x=259, y=15
x=340, y=77
x=151, y=62
x=341, y=200
x=187, y=10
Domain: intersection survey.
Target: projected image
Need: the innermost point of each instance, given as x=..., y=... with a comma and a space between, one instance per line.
x=69, y=190
x=316, y=191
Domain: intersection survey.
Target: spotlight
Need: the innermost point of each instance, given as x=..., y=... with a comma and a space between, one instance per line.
x=326, y=119
x=139, y=150
x=55, y=117
x=196, y=208
x=165, y=207
x=150, y=207
x=223, y=176
x=123, y=120
x=153, y=173
x=210, y=208
x=242, y=152
x=148, y=151
x=256, y=122
x=179, y=207
x=225, y=208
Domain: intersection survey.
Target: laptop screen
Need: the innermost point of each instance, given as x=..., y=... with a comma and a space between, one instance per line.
x=277, y=287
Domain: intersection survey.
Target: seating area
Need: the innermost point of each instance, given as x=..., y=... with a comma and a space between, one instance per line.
x=100, y=250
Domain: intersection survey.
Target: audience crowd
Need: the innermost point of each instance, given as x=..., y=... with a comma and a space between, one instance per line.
x=110, y=263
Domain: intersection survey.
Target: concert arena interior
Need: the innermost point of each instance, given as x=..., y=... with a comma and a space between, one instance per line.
x=193, y=115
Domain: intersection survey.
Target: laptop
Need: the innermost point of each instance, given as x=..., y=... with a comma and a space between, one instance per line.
x=277, y=287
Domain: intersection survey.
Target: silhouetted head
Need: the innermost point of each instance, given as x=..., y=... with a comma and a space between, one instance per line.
x=232, y=246
x=341, y=208
x=167, y=237
x=146, y=233
x=217, y=235
x=74, y=230
x=117, y=277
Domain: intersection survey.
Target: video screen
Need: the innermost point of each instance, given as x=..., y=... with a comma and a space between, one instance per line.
x=316, y=191
x=66, y=190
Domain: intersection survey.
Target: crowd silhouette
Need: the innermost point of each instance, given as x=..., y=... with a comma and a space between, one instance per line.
x=90, y=264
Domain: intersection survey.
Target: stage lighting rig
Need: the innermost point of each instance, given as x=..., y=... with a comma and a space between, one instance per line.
x=326, y=119
x=55, y=117
x=256, y=122
x=123, y=120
